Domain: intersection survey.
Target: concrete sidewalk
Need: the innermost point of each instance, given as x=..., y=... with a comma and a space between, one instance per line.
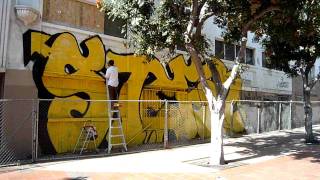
x=274, y=155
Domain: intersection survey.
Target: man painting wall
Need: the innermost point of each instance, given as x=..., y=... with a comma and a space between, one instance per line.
x=112, y=83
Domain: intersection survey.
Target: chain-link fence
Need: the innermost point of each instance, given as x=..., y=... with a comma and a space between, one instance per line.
x=17, y=131
x=259, y=117
x=61, y=124
x=187, y=123
x=35, y=130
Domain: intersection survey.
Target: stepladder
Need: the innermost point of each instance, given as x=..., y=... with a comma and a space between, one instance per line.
x=115, y=135
x=88, y=135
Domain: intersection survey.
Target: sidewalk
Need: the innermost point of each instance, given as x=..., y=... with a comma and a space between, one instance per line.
x=275, y=155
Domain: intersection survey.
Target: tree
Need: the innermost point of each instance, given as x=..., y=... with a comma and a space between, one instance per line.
x=163, y=25
x=293, y=45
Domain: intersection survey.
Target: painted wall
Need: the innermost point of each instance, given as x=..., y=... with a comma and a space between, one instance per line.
x=68, y=73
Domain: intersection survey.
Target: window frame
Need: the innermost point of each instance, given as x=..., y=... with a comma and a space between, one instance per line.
x=253, y=51
x=123, y=36
x=223, y=49
x=236, y=50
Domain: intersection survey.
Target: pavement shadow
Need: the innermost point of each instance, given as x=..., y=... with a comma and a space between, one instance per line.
x=76, y=178
x=286, y=142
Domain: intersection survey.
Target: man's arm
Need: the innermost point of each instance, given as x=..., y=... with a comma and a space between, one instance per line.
x=101, y=73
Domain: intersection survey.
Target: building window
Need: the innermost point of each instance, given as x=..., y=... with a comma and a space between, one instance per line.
x=181, y=47
x=265, y=62
x=113, y=27
x=263, y=59
x=219, y=49
x=231, y=51
x=237, y=50
x=249, y=56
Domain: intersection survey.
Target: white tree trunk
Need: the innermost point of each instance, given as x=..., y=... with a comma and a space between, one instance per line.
x=217, y=119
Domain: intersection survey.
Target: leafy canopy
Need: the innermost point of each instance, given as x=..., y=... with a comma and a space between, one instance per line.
x=152, y=27
x=293, y=37
x=156, y=25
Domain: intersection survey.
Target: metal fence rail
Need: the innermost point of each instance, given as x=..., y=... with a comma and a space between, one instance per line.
x=42, y=129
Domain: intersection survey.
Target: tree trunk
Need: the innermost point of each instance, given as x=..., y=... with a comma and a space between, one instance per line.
x=216, y=106
x=307, y=115
x=217, y=119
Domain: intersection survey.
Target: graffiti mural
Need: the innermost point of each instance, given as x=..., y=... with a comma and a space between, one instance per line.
x=68, y=75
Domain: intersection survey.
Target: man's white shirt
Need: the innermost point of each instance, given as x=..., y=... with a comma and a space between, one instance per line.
x=112, y=76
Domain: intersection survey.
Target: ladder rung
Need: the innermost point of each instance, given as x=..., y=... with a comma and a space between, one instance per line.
x=120, y=135
x=114, y=116
x=118, y=144
x=115, y=127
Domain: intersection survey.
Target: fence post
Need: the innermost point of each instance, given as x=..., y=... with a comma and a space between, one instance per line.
x=37, y=127
x=33, y=121
x=231, y=118
x=166, y=124
x=203, y=119
x=290, y=115
x=258, y=124
x=279, y=118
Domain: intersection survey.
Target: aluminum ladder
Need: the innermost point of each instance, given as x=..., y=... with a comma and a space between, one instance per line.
x=115, y=125
x=88, y=134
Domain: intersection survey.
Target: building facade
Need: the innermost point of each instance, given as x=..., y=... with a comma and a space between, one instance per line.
x=82, y=19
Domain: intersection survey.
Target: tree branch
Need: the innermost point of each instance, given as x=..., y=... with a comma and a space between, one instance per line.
x=203, y=17
x=230, y=80
x=215, y=76
x=192, y=22
x=201, y=22
x=244, y=31
x=258, y=16
x=304, y=77
x=197, y=62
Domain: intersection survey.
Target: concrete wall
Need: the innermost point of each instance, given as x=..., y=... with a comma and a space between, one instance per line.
x=18, y=118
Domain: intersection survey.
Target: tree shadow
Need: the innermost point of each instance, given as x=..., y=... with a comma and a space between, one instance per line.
x=283, y=143
x=76, y=178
